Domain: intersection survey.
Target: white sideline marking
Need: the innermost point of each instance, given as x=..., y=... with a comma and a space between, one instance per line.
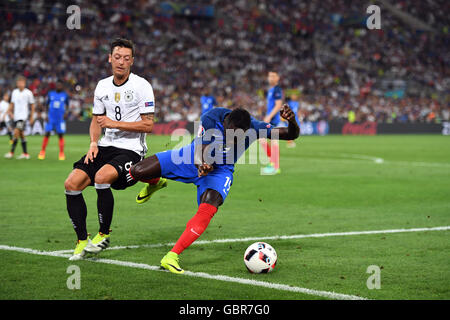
x=295, y=236
x=277, y=286
x=421, y=164
x=377, y=161
x=363, y=157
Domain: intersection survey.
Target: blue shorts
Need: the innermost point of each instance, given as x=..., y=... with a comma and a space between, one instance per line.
x=57, y=125
x=220, y=179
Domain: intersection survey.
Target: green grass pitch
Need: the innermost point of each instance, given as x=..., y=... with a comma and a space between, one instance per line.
x=327, y=184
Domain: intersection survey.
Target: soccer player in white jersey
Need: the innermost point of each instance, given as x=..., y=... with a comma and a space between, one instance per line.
x=4, y=117
x=22, y=100
x=124, y=105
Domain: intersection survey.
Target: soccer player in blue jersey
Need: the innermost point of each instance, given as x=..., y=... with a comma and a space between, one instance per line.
x=207, y=101
x=208, y=162
x=57, y=101
x=274, y=102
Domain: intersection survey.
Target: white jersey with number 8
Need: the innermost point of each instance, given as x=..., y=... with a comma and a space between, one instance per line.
x=124, y=103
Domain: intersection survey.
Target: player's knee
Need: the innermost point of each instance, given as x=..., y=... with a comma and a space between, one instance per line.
x=148, y=168
x=212, y=197
x=67, y=184
x=70, y=185
x=102, y=178
x=137, y=171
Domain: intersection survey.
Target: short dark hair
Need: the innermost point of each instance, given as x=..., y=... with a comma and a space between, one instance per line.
x=240, y=118
x=122, y=43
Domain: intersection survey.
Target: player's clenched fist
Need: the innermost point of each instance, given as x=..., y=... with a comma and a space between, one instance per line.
x=204, y=169
x=287, y=113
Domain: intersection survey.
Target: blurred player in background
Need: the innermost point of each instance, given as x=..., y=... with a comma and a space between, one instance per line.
x=293, y=104
x=22, y=100
x=5, y=121
x=207, y=100
x=274, y=103
x=124, y=106
x=57, y=102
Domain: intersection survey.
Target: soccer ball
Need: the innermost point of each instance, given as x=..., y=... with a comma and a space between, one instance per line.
x=260, y=257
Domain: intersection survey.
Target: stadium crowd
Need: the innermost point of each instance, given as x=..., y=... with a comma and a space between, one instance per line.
x=322, y=50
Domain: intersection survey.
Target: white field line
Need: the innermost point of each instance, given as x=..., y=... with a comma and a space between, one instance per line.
x=420, y=164
x=285, y=237
x=376, y=160
x=362, y=157
x=277, y=286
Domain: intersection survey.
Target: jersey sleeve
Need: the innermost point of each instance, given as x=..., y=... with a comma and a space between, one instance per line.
x=146, y=102
x=13, y=97
x=207, y=122
x=203, y=135
x=263, y=129
x=99, y=108
x=30, y=97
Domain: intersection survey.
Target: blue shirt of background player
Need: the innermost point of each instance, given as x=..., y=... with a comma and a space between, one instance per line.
x=294, y=107
x=275, y=93
x=214, y=118
x=57, y=102
x=207, y=102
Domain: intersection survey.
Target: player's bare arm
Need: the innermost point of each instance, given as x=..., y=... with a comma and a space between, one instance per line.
x=32, y=114
x=293, y=130
x=144, y=125
x=276, y=109
x=94, y=132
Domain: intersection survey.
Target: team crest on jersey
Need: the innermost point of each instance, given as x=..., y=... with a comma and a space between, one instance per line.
x=117, y=97
x=128, y=96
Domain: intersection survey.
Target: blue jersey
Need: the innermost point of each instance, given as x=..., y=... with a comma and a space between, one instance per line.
x=207, y=102
x=57, y=103
x=275, y=93
x=213, y=121
x=179, y=164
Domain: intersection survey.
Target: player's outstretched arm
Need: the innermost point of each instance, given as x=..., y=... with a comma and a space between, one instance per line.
x=144, y=125
x=293, y=130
